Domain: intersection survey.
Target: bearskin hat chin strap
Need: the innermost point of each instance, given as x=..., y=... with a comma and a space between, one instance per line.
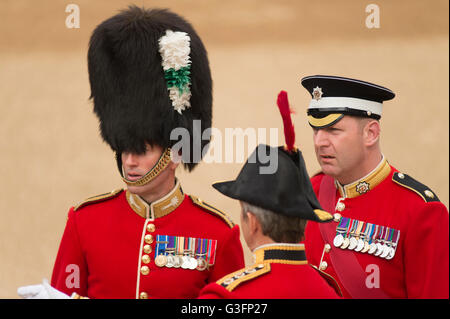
x=162, y=163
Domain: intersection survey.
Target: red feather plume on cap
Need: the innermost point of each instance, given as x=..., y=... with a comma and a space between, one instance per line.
x=285, y=110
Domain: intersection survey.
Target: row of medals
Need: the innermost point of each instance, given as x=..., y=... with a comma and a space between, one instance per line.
x=185, y=262
x=379, y=248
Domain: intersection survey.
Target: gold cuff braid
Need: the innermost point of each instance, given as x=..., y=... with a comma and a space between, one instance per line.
x=163, y=162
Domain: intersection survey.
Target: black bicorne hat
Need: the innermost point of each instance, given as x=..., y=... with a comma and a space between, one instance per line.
x=283, y=186
x=139, y=97
x=288, y=191
x=335, y=96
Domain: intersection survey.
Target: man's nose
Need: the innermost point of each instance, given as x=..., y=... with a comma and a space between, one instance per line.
x=129, y=159
x=321, y=138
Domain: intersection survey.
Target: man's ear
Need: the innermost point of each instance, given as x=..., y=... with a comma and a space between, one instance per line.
x=173, y=165
x=253, y=223
x=371, y=132
x=176, y=159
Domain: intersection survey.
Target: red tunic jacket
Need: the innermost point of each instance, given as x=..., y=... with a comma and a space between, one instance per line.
x=108, y=246
x=280, y=271
x=420, y=266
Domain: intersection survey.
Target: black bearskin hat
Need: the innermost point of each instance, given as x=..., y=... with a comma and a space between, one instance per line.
x=129, y=85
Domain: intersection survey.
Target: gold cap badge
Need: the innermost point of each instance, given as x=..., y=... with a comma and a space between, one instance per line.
x=317, y=93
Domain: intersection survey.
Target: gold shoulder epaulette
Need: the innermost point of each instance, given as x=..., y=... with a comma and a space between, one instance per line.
x=212, y=210
x=231, y=281
x=417, y=187
x=98, y=198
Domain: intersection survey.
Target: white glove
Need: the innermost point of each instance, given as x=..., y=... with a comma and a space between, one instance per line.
x=43, y=291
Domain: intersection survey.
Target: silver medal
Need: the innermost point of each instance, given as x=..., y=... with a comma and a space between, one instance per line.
x=391, y=253
x=338, y=240
x=345, y=243
x=177, y=261
x=366, y=247
x=379, y=249
x=353, y=243
x=185, y=262
x=192, y=263
x=385, y=251
x=170, y=261
x=360, y=245
x=373, y=248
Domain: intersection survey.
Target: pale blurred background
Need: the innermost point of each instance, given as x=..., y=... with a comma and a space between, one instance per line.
x=52, y=154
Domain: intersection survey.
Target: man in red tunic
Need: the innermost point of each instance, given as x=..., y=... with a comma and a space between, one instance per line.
x=149, y=74
x=275, y=207
x=389, y=238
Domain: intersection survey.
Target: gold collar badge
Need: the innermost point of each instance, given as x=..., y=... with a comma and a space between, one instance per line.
x=366, y=183
x=362, y=187
x=159, y=208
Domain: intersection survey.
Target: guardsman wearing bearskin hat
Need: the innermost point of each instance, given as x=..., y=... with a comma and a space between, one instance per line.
x=149, y=74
